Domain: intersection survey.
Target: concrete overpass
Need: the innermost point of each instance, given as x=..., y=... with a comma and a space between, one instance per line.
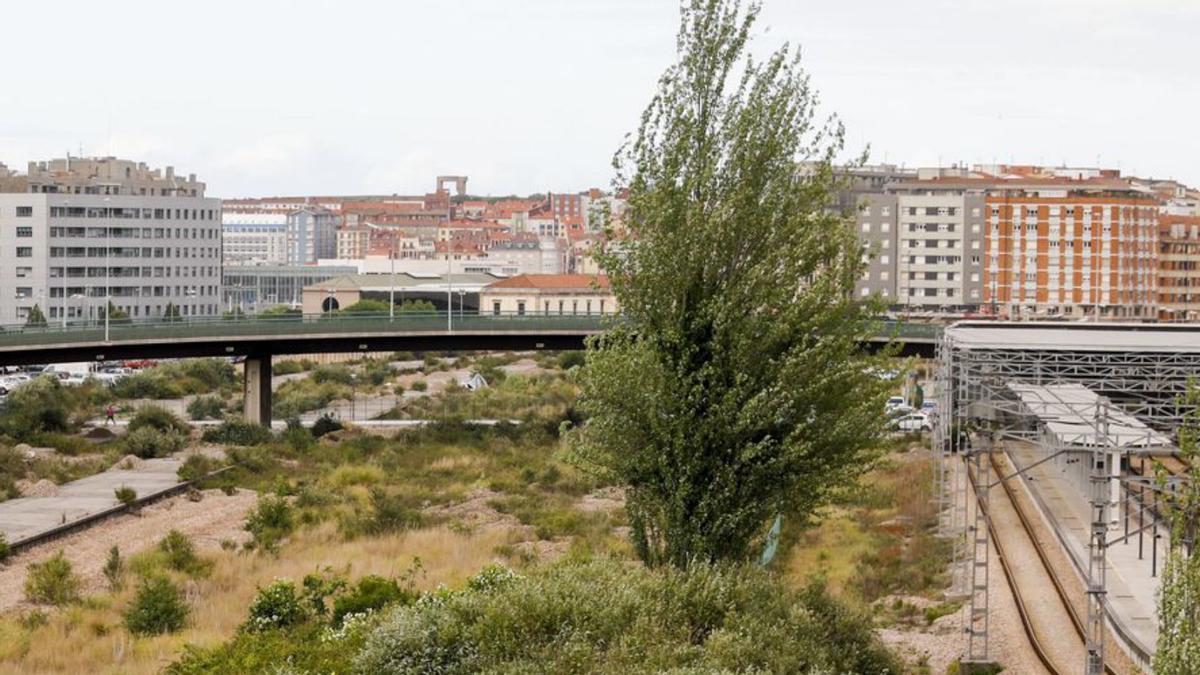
x=259, y=338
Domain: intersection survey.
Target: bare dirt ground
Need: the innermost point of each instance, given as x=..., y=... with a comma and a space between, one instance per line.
x=208, y=521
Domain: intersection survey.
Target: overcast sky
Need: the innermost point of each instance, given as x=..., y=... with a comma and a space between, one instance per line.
x=354, y=96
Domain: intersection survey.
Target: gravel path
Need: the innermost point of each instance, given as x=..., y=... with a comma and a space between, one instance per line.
x=944, y=642
x=208, y=521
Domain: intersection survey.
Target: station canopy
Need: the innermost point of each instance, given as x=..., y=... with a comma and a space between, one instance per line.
x=1069, y=413
x=1075, y=336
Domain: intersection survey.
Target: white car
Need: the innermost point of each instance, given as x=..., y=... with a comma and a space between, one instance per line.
x=914, y=423
x=893, y=403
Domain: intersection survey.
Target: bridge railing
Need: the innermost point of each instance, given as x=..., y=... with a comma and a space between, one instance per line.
x=283, y=325
x=290, y=324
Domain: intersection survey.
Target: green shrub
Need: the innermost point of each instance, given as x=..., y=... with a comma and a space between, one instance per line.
x=180, y=554
x=613, y=617
x=41, y=405
x=159, y=607
x=325, y=425
x=206, y=408
x=271, y=520
x=177, y=379
x=276, y=606
x=389, y=513
x=159, y=418
x=5, y=548
x=309, y=647
x=64, y=444
x=337, y=372
x=297, y=437
x=237, y=431
x=52, y=582
x=125, y=494
x=371, y=593
x=420, y=385
x=290, y=367
x=114, y=569
x=569, y=359
x=197, y=466
x=148, y=442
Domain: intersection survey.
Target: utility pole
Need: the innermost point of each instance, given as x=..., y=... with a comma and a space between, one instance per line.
x=977, y=620
x=1099, y=492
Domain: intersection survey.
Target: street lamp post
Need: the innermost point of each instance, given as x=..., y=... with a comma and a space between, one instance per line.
x=392, y=289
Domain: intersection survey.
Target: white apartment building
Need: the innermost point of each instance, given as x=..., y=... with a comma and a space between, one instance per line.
x=254, y=238
x=75, y=233
x=939, y=249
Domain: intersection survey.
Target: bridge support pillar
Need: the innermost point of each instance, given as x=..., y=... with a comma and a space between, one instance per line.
x=256, y=390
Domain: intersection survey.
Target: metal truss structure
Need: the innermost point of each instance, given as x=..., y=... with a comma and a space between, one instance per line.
x=981, y=409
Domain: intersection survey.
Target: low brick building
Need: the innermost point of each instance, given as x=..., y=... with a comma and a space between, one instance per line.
x=550, y=295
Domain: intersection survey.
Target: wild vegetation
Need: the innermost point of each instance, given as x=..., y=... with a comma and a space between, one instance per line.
x=734, y=389
x=1178, y=649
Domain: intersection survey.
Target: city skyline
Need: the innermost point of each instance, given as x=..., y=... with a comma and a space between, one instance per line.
x=253, y=112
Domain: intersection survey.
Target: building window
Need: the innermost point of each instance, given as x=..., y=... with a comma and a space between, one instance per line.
x=520, y=308
x=866, y=228
x=24, y=251
x=24, y=271
x=24, y=232
x=495, y=308
x=884, y=260
x=24, y=211
x=865, y=291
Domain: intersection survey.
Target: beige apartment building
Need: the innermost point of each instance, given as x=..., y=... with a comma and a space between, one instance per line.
x=549, y=295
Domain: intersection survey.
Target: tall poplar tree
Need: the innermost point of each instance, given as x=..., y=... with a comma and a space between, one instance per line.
x=1178, y=651
x=735, y=388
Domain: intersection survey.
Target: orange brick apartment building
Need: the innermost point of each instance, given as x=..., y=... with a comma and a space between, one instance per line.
x=1071, y=248
x=1178, y=268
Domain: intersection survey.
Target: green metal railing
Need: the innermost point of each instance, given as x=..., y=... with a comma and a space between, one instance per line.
x=287, y=325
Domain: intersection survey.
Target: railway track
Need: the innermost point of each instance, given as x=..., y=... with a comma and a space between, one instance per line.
x=1048, y=648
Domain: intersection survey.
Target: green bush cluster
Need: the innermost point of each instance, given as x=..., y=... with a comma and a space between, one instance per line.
x=158, y=418
x=197, y=466
x=296, y=625
x=148, y=442
x=276, y=606
x=325, y=425
x=179, y=554
x=272, y=519
x=5, y=548
x=370, y=594
x=606, y=616
x=178, y=379
x=125, y=494
x=206, y=408
x=237, y=431
x=300, y=396
x=35, y=407
x=52, y=581
x=159, y=607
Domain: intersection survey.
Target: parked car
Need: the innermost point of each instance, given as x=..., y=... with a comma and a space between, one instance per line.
x=893, y=403
x=914, y=422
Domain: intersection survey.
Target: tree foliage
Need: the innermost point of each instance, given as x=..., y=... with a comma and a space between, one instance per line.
x=36, y=318
x=735, y=388
x=1178, y=649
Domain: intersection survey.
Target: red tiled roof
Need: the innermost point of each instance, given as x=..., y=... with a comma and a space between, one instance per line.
x=553, y=281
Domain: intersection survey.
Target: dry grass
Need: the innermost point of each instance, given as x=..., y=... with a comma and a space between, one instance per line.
x=100, y=644
x=878, y=540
